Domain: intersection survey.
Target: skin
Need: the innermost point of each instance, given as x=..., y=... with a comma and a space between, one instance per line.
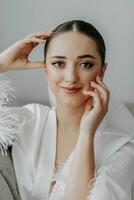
x=16, y=57
x=70, y=72
x=78, y=118
x=76, y=112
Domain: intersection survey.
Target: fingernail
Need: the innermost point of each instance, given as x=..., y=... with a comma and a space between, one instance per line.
x=99, y=77
x=85, y=91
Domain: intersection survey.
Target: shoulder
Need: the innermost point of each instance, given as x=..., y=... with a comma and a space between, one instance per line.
x=15, y=120
x=36, y=108
x=30, y=111
x=34, y=113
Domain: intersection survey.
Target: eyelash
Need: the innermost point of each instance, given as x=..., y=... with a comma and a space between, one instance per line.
x=91, y=64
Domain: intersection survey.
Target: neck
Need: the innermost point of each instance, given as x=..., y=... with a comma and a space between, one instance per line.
x=69, y=118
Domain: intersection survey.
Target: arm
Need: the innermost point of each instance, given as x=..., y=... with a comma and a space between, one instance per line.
x=16, y=56
x=82, y=169
x=113, y=179
x=83, y=164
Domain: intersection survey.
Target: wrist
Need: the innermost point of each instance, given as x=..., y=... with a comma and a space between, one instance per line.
x=87, y=134
x=85, y=141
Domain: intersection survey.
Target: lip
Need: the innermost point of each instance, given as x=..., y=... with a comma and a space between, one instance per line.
x=71, y=89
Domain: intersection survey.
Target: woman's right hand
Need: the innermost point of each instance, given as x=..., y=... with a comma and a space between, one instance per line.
x=16, y=56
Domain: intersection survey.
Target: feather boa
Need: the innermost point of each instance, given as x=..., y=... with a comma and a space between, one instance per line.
x=10, y=125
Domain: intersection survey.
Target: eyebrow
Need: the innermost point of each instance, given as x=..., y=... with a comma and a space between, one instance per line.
x=79, y=57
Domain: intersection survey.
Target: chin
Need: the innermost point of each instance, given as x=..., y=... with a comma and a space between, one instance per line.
x=71, y=102
x=67, y=99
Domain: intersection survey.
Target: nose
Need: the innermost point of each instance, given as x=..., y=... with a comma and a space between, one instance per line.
x=71, y=75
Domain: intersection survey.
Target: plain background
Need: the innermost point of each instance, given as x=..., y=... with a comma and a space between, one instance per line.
x=114, y=19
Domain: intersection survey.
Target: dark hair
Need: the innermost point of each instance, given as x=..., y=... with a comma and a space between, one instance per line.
x=82, y=27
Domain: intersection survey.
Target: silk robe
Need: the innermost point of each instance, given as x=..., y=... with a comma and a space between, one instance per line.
x=32, y=131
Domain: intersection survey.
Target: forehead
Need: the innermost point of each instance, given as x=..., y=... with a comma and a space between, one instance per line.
x=73, y=44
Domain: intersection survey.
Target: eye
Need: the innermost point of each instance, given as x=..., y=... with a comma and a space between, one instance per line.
x=57, y=64
x=87, y=65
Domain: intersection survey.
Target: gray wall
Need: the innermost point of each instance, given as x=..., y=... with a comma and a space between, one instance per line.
x=115, y=20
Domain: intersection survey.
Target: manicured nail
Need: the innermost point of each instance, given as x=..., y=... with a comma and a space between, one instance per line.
x=99, y=77
x=84, y=91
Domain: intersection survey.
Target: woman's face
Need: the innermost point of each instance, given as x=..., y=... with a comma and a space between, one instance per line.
x=72, y=60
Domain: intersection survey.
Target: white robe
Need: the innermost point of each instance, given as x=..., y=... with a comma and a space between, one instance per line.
x=34, y=154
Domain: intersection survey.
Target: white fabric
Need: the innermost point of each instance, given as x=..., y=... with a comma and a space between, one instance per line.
x=34, y=155
x=35, y=152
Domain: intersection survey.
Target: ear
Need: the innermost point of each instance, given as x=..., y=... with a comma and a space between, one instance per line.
x=104, y=67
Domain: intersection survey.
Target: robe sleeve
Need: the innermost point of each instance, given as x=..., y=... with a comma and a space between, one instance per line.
x=114, y=178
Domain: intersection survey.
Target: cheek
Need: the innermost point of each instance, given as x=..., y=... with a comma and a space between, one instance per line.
x=91, y=76
x=53, y=79
x=52, y=76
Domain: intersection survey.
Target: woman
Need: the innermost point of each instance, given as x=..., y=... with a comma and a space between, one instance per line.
x=80, y=133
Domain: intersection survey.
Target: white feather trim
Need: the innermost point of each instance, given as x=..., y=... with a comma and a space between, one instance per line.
x=10, y=125
x=7, y=91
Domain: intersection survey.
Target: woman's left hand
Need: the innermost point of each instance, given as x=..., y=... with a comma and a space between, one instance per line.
x=95, y=112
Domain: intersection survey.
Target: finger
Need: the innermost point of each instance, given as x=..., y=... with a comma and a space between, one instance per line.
x=35, y=65
x=101, y=90
x=48, y=31
x=95, y=95
x=34, y=40
x=99, y=80
x=89, y=102
x=97, y=86
x=103, y=94
x=43, y=34
x=97, y=98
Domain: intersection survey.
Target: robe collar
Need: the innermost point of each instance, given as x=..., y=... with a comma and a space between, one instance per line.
x=109, y=138
x=115, y=130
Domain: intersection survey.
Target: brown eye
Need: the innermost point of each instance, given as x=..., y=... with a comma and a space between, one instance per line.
x=57, y=64
x=87, y=65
